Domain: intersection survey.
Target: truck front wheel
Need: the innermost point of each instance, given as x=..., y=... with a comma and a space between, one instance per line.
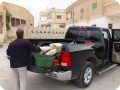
x=86, y=75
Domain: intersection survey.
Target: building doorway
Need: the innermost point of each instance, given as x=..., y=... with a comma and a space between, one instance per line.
x=1, y=24
x=110, y=25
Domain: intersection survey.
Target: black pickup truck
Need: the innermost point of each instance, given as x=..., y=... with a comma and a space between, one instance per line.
x=86, y=51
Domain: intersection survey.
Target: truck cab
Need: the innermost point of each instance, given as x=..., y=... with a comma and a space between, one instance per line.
x=86, y=51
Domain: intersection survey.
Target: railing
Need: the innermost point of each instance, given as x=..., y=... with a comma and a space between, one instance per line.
x=45, y=33
x=41, y=33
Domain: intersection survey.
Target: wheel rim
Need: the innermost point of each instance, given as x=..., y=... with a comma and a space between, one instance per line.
x=87, y=75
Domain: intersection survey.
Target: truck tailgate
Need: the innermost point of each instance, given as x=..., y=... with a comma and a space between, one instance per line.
x=36, y=69
x=58, y=75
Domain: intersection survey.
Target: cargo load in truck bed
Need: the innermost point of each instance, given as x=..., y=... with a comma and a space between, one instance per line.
x=46, y=60
x=43, y=61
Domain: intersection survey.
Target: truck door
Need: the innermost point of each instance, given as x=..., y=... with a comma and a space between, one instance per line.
x=106, y=36
x=116, y=45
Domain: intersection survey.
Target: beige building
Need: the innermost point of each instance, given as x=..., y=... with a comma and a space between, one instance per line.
x=11, y=16
x=53, y=18
x=102, y=13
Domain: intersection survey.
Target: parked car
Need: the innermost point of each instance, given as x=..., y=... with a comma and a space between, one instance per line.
x=86, y=51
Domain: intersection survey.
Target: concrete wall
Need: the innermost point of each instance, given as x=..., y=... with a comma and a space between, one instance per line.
x=44, y=33
x=108, y=2
x=88, y=12
x=2, y=39
x=17, y=12
x=101, y=22
x=107, y=12
x=1, y=24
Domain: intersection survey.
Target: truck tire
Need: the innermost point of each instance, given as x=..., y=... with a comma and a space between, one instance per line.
x=86, y=76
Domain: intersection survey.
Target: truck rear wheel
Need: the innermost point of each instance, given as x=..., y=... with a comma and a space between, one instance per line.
x=86, y=75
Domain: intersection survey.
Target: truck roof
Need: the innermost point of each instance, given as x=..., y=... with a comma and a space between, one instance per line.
x=83, y=27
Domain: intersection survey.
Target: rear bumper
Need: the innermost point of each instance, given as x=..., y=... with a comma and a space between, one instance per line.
x=61, y=75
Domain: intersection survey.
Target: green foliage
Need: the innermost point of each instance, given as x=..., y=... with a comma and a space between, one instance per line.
x=8, y=15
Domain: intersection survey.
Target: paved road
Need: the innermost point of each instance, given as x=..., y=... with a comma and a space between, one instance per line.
x=109, y=80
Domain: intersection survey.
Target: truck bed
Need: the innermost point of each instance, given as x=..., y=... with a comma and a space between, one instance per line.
x=44, y=42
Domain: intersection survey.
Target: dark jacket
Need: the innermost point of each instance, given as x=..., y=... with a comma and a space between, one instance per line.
x=19, y=51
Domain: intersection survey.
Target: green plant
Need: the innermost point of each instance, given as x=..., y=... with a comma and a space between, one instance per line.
x=8, y=15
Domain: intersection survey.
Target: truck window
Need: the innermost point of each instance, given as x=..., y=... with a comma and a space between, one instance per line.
x=84, y=33
x=71, y=33
x=116, y=36
x=92, y=35
x=105, y=34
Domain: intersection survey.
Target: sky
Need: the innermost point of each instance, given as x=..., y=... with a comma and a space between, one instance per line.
x=35, y=6
x=118, y=1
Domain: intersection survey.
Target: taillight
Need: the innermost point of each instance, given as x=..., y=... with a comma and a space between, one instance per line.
x=56, y=62
x=65, y=59
x=88, y=42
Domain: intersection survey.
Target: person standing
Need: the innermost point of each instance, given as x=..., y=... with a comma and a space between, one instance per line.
x=19, y=51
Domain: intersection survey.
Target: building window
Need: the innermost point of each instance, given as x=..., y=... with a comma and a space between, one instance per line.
x=94, y=6
x=13, y=22
x=71, y=15
x=58, y=16
x=110, y=25
x=61, y=26
x=31, y=25
x=17, y=22
x=82, y=10
x=23, y=21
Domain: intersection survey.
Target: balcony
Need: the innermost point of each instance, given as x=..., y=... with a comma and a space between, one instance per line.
x=43, y=22
x=46, y=23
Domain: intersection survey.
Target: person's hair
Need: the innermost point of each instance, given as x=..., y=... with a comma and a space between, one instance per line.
x=19, y=33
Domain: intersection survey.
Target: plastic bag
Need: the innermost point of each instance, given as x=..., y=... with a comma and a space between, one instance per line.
x=56, y=46
x=51, y=52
